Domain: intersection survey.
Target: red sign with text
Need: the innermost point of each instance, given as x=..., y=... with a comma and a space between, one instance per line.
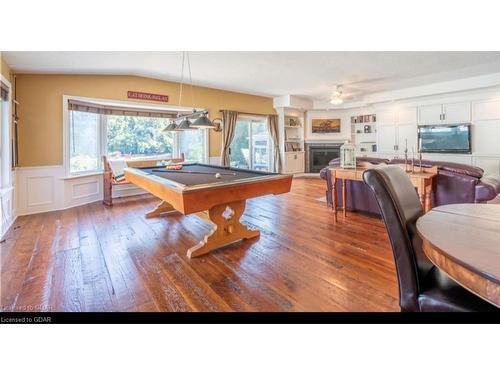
x=147, y=96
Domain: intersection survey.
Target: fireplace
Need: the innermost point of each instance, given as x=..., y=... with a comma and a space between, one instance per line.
x=319, y=154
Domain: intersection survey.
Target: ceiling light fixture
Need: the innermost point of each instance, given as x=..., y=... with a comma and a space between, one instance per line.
x=337, y=96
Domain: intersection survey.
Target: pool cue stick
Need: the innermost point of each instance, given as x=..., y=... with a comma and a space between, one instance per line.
x=193, y=172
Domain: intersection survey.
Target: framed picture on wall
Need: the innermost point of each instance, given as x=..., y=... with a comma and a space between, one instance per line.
x=325, y=126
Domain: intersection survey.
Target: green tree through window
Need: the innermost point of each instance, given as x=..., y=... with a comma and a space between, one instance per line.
x=133, y=135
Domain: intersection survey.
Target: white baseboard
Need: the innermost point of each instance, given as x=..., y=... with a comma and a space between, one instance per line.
x=6, y=228
x=8, y=212
x=307, y=175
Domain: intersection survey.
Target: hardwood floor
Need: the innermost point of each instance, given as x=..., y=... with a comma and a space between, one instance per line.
x=96, y=258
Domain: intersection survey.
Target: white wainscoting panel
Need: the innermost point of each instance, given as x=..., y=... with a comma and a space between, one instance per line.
x=40, y=190
x=7, y=209
x=215, y=160
x=81, y=190
x=127, y=191
x=85, y=189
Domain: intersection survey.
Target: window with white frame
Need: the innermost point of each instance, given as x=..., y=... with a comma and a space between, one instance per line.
x=96, y=130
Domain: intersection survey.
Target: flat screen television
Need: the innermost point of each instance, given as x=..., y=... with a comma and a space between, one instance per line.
x=445, y=138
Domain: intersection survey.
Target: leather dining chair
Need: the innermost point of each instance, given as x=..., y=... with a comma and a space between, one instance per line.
x=422, y=286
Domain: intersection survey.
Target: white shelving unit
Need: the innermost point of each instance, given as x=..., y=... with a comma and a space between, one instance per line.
x=364, y=134
x=291, y=125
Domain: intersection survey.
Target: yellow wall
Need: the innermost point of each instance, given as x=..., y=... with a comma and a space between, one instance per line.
x=41, y=117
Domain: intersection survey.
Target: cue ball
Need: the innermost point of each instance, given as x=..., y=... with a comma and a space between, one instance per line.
x=217, y=175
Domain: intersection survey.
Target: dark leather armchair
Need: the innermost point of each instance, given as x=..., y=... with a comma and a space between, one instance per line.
x=422, y=286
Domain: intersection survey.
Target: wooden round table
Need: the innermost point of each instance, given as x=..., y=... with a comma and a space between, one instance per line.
x=463, y=240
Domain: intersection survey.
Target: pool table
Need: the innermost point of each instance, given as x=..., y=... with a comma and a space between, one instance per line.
x=216, y=194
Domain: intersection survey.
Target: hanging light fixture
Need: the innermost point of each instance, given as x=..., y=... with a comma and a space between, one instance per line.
x=337, y=96
x=203, y=122
x=171, y=127
x=184, y=122
x=185, y=125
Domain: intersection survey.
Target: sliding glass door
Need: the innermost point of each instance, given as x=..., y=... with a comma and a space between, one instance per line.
x=251, y=145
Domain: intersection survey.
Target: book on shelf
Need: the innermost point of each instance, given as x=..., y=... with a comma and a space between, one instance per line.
x=363, y=119
x=291, y=147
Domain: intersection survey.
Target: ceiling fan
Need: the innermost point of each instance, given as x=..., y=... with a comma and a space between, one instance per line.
x=356, y=89
x=338, y=95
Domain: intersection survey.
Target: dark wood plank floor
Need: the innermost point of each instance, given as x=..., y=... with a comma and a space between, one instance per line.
x=95, y=258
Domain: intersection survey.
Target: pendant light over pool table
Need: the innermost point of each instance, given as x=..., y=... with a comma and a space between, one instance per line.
x=183, y=122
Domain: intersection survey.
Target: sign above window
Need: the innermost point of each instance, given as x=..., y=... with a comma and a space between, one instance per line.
x=147, y=96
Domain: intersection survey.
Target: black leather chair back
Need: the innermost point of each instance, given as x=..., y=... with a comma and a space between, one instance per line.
x=400, y=208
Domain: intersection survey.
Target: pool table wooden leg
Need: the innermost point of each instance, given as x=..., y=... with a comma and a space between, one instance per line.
x=162, y=208
x=227, y=228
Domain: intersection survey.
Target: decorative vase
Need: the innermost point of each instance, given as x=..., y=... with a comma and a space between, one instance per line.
x=347, y=155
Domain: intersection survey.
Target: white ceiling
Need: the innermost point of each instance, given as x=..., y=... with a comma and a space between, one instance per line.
x=308, y=74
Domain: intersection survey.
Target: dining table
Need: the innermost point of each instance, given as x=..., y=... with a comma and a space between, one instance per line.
x=463, y=240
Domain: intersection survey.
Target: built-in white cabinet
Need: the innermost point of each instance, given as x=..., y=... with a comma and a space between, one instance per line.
x=406, y=115
x=407, y=134
x=394, y=138
x=448, y=113
x=430, y=114
x=294, y=162
x=457, y=112
x=395, y=129
x=386, y=138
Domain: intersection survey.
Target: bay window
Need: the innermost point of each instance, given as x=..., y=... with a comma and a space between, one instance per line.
x=120, y=132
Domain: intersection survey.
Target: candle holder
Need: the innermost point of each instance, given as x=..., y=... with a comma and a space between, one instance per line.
x=412, y=160
x=406, y=160
x=406, y=155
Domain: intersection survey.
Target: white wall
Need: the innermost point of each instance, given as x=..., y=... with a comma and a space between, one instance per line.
x=345, y=126
x=485, y=119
